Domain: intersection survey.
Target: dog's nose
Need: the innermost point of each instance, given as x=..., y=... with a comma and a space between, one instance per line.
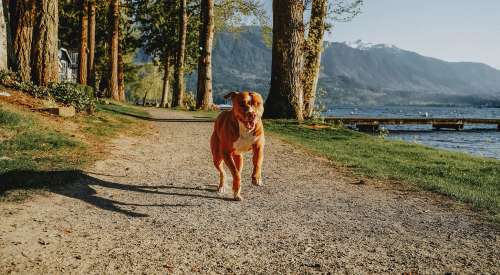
x=252, y=115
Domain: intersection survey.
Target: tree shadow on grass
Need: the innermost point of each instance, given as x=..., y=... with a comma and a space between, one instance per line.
x=194, y=119
x=78, y=185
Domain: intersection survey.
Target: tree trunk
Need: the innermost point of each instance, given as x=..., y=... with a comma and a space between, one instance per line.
x=82, y=65
x=144, y=99
x=113, y=90
x=285, y=95
x=45, y=62
x=91, y=66
x=22, y=14
x=312, y=54
x=121, y=75
x=166, y=84
x=3, y=39
x=204, y=98
x=178, y=96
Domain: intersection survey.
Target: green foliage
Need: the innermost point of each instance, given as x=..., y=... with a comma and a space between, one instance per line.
x=463, y=177
x=78, y=96
x=158, y=22
x=69, y=35
x=147, y=82
x=189, y=101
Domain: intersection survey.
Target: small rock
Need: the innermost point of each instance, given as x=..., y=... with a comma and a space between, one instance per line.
x=360, y=182
x=42, y=242
x=5, y=158
x=62, y=111
x=78, y=257
x=4, y=94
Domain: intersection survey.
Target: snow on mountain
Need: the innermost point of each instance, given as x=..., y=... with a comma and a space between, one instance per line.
x=364, y=45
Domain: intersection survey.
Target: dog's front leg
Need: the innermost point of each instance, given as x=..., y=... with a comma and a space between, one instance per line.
x=228, y=159
x=258, y=158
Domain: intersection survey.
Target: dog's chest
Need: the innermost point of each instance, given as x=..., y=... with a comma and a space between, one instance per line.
x=245, y=140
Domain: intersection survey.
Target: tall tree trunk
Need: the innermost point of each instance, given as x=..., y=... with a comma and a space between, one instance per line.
x=312, y=54
x=22, y=15
x=91, y=66
x=204, y=98
x=178, y=96
x=121, y=75
x=113, y=90
x=166, y=84
x=285, y=95
x=84, y=21
x=3, y=39
x=45, y=62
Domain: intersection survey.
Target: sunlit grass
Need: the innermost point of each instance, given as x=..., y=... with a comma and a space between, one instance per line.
x=30, y=142
x=466, y=178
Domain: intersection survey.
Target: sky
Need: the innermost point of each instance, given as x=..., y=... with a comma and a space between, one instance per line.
x=452, y=30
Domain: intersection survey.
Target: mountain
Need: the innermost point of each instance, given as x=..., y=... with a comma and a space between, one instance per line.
x=357, y=73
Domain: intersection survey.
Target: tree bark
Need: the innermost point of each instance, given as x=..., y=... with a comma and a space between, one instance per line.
x=3, y=39
x=204, y=97
x=45, y=62
x=113, y=90
x=312, y=54
x=178, y=96
x=286, y=94
x=166, y=84
x=91, y=66
x=22, y=14
x=82, y=65
x=121, y=75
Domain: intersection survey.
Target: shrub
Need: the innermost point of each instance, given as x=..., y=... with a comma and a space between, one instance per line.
x=72, y=94
x=189, y=101
x=78, y=96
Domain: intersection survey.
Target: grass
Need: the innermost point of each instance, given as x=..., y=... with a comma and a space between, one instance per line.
x=466, y=178
x=124, y=109
x=32, y=143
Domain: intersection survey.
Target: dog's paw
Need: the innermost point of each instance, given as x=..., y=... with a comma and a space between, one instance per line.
x=221, y=189
x=237, y=197
x=257, y=182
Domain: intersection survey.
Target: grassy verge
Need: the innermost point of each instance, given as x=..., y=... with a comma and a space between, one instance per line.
x=466, y=178
x=32, y=143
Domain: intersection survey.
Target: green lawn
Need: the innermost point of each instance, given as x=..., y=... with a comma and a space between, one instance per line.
x=466, y=178
x=30, y=143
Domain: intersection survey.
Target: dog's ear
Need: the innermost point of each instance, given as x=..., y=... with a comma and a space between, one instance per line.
x=231, y=94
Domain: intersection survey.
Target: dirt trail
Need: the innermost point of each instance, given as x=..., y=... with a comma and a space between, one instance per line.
x=151, y=207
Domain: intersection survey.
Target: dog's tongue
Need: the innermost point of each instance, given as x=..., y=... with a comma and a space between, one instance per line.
x=250, y=124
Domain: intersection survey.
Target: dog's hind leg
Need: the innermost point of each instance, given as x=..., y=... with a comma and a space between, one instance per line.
x=217, y=159
x=222, y=175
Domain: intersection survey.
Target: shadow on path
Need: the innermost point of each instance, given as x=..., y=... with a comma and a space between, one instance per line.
x=194, y=119
x=76, y=184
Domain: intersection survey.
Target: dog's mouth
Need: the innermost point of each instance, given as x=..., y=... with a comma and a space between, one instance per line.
x=250, y=121
x=250, y=124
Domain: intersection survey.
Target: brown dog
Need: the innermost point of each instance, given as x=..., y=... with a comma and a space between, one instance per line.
x=237, y=131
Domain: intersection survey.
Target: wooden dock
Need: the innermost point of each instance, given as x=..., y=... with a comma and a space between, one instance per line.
x=373, y=123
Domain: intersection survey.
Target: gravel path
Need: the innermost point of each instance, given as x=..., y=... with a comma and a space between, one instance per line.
x=151, y=208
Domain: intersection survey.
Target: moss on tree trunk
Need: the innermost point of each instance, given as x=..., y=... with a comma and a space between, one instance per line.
x=204, y=97
x=312, y=54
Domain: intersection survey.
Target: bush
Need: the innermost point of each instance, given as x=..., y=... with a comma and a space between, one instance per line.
x=189, y=101
x=78, y=96
x=72, y=94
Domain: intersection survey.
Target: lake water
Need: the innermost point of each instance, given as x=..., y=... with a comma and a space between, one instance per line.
x=480, y=140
